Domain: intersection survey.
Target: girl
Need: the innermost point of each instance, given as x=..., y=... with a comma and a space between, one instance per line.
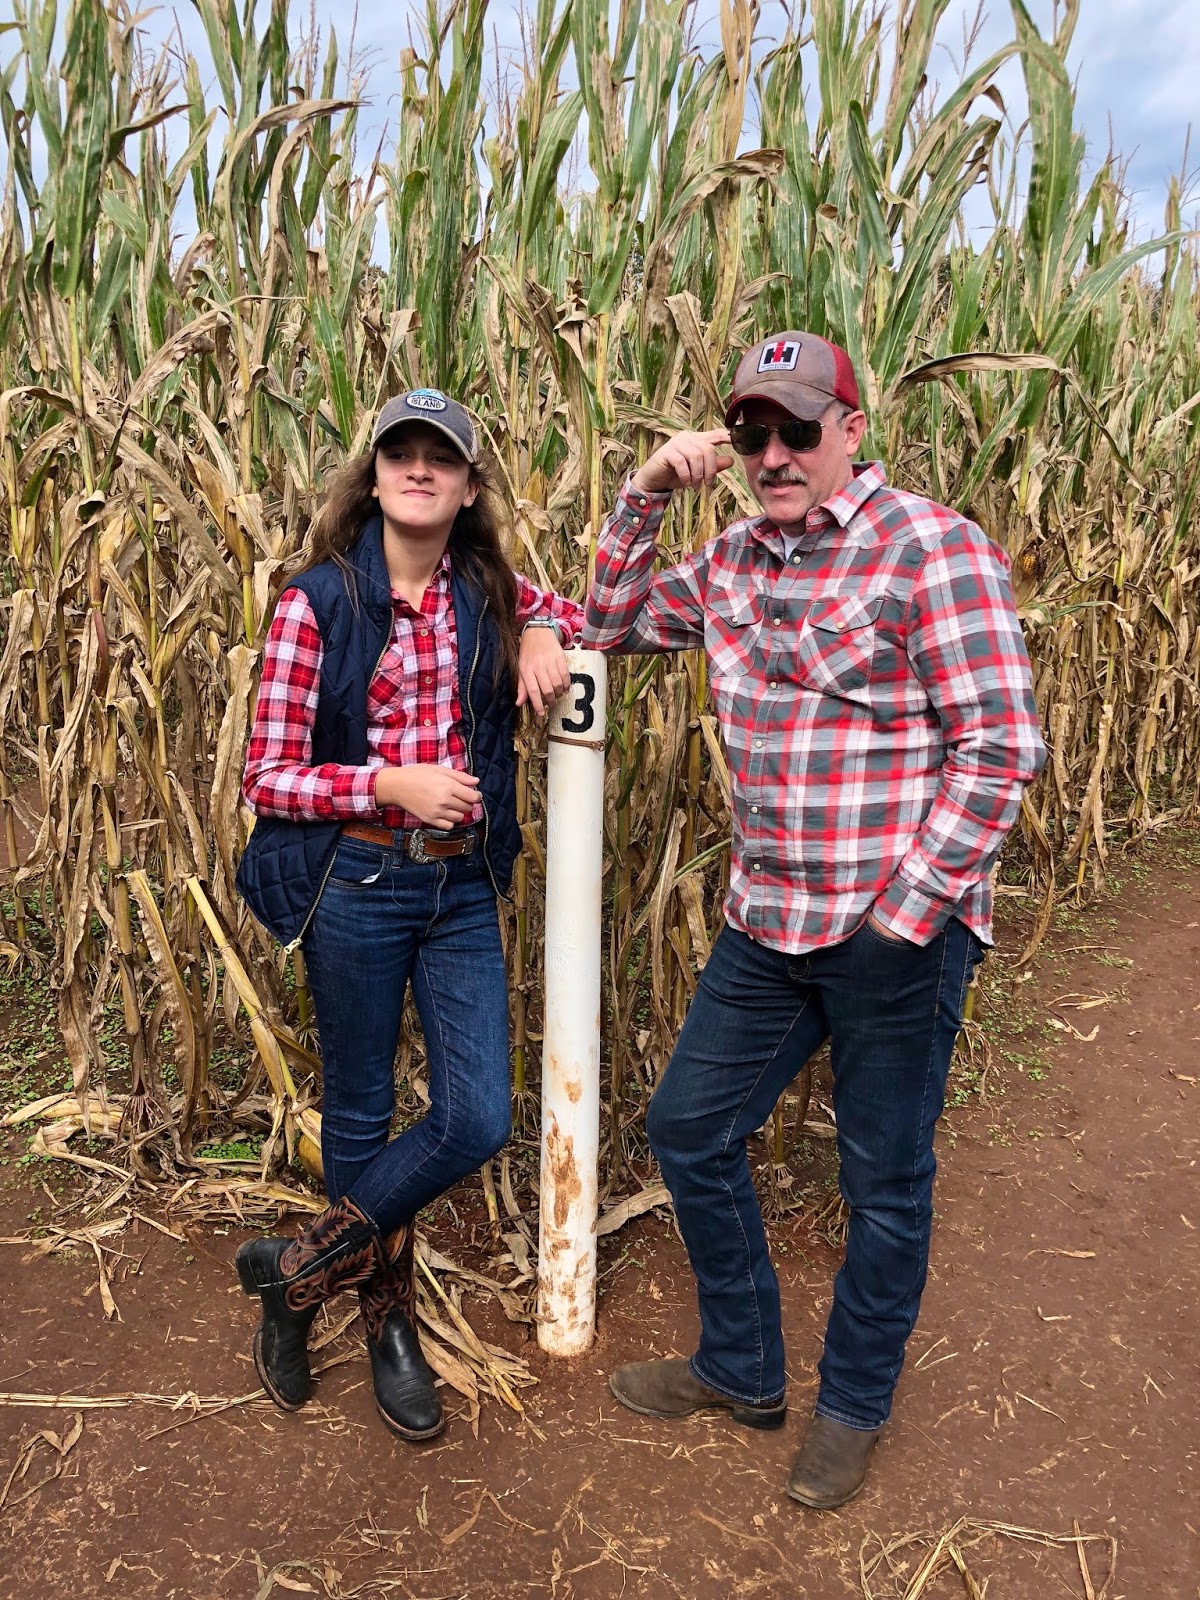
x=382, y=771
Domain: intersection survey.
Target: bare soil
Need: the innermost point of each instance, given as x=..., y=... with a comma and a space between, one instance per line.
x=1052, y=1383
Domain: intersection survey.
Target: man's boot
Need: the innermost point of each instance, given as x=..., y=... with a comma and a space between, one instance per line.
x=670, y=1389
x=404, y=1392
x=832, y=1465
x=293, y=1278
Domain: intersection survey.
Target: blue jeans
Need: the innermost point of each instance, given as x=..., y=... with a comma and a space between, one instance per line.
x=383, y=921
x=891, y=1012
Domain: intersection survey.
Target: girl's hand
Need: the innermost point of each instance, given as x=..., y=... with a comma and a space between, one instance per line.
x=542, y=670
x=440, y=796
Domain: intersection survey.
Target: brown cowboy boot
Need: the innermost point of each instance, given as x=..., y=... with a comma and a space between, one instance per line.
x=670, y=1389
x=404, y=1392
x=832, y=1465
x=293, y=1279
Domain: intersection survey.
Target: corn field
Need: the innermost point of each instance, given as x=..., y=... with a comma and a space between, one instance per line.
x=208, y=291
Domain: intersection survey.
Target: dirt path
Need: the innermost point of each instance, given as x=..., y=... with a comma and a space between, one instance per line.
x=1053, y=1376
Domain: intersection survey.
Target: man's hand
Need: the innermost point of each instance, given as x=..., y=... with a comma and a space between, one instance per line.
x=542, y=670
x=440, y=796
x=685, y=462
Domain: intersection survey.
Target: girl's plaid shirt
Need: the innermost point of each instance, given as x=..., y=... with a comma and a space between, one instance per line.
x=873, y=693
x=413, y=706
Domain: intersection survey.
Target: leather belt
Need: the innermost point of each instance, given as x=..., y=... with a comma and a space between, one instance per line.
x=420, y=844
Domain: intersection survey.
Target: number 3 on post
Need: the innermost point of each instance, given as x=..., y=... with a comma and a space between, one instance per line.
x=583, y=718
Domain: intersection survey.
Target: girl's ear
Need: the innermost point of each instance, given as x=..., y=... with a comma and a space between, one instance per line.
x=375, y=491
x=472, y=492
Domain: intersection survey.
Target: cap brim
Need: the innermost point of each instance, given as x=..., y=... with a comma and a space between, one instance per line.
x=428, y=422
x=803, y=402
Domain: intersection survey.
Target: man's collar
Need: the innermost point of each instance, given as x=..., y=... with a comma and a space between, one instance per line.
x=868, y=476
x=844, y=506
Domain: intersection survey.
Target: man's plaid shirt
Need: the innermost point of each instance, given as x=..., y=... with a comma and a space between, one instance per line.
x=873, y=693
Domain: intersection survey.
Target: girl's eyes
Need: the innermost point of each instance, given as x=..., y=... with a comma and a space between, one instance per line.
x=403, y=458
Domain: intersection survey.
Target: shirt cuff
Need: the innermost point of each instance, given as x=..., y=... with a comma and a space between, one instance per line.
x=637, y=507
x=360, y=797
x=910, y=913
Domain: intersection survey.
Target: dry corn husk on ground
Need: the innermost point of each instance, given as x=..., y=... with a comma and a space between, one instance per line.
x=207, y=291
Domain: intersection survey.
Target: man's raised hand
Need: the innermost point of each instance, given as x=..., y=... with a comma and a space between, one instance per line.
x=685, y=462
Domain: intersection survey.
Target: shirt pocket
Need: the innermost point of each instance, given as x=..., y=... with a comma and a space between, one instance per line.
x=732, y=623
x=837, y=644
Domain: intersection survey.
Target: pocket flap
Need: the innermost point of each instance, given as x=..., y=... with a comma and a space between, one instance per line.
x=845, y=612
x=734, y=606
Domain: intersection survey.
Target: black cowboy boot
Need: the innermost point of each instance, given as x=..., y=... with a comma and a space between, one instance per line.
x=404, y=1392
x=293, y=1279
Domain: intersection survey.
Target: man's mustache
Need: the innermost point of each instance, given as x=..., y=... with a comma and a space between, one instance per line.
x=775, y=477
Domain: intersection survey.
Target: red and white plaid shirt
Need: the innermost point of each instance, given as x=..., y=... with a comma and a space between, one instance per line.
x=413, y=709
x=873, y=693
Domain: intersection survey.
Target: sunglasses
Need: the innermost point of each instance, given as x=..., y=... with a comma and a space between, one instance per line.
x=750, y=438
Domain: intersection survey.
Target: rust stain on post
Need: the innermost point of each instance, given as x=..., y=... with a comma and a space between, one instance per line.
x=560, y=1157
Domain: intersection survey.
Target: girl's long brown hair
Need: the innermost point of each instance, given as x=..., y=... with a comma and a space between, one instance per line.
x=476, y=541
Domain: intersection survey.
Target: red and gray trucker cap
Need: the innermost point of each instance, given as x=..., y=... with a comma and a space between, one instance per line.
x=435, y=408
x=798, y=371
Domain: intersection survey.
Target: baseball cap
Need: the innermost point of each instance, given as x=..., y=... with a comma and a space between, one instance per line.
x=799, y=371
x=436, y=409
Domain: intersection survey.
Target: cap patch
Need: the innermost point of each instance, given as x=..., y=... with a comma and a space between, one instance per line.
x=426, y=400
x=781, y=356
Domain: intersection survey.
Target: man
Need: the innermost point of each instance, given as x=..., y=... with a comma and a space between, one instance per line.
x=874, y=696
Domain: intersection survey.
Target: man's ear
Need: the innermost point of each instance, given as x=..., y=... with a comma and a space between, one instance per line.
x=854, y=427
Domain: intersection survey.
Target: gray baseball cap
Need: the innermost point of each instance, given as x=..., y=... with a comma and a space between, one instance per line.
x=436, y=409
x=799, y=371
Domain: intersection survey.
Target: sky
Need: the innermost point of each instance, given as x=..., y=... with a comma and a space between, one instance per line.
x=1136, y=67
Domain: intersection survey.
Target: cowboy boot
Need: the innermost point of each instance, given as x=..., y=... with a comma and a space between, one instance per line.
x=832, y=1465
x=293, y=1279
x=670, y=1389
x=404, y=1392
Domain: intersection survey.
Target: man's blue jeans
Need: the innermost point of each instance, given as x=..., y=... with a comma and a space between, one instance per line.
x=383, y=921
x=891, y=1011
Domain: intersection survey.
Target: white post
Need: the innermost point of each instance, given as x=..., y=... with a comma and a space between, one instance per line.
x=571, y=1048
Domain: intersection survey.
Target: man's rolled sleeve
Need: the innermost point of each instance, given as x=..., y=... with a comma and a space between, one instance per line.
x=629, y=606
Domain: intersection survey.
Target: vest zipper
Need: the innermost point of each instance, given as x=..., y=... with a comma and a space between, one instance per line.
x=295, y=944
x=471, y=753
x=312, y=910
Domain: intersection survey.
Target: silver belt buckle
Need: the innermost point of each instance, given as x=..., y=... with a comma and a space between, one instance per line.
x=416, y=847
x=417, y=841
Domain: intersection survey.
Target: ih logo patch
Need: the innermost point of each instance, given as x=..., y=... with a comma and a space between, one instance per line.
x=426, y=400
x=781, y=356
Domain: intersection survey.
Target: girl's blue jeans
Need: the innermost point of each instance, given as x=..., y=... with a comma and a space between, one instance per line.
x=382, y=922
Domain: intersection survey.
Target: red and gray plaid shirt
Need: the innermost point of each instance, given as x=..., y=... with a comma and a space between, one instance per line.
x=413, y=710
x=873, y=693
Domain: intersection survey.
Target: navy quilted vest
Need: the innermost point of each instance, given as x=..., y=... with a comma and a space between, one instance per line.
x=285, y=864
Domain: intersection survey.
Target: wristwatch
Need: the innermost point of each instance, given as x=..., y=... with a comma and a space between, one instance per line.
x=545, y=622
